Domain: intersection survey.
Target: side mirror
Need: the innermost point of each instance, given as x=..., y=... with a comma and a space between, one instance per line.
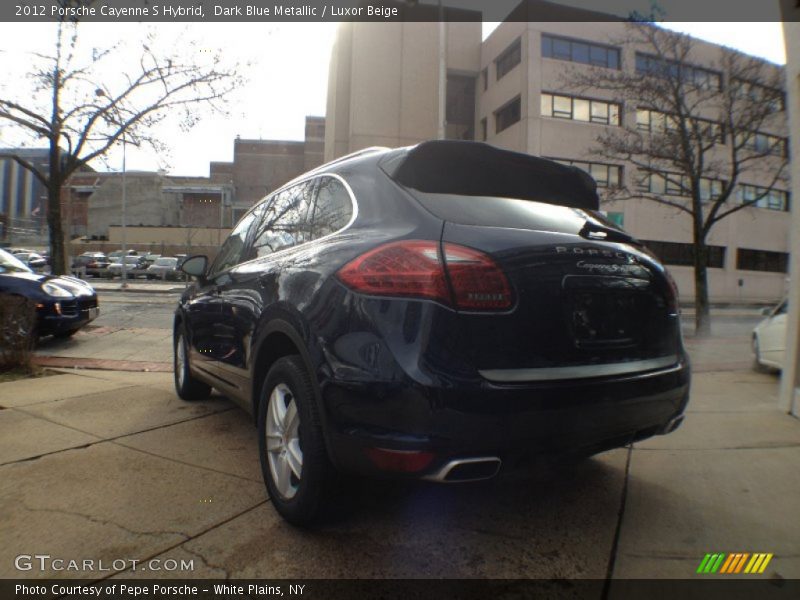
x=766, y=311
x=195, y=266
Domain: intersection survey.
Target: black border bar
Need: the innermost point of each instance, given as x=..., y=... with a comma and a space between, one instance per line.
x=275, y=11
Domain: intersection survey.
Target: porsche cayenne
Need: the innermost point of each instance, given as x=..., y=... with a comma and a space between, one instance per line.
x=441, y=312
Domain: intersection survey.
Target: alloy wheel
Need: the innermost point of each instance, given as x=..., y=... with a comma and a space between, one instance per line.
x=284, y=454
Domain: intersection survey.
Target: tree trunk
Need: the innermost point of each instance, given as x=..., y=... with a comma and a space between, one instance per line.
x=702, y=312
x=58, y=259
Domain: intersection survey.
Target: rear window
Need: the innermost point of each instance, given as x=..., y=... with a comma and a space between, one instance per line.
x=493, y=211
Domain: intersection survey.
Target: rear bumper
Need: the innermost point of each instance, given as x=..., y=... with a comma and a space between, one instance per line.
x=510, y=421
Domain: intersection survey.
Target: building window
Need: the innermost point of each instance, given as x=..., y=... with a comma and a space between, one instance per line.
x=654, y=121
x=764, y=143
x=509, y=59
x=484, y=129
x=460, y=107
x=485, y=78
x=580, y=109
x=604, y=174
x=674, y=253
x=762, y=197
x=762, y=260
x=507, y=115
x=760, y=93
x=578, y=51
x=704, y=79
x=675, y=184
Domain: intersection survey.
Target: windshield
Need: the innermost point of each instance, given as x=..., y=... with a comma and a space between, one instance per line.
x=10, y=263
x=166, y=262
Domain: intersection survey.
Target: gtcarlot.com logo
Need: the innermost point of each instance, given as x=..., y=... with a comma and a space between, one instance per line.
x=45, y=562
x=736, y=562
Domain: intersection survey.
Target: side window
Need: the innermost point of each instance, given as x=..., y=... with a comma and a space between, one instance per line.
x=230, y=254
x=333, y=209
x=283, y=220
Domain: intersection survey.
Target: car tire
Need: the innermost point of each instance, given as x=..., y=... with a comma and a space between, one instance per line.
x=186, y=385
x=294, y=461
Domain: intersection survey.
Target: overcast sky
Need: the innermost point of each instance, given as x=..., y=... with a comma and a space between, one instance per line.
x=287, y=79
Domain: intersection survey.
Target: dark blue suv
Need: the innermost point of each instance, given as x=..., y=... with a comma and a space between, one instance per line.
x=440, y=312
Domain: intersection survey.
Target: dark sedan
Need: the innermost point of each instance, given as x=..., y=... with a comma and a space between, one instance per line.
x=437, y=312
x=63, y=304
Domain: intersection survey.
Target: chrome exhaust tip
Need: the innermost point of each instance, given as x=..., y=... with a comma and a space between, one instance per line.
x=672, y=425
x=462, y=470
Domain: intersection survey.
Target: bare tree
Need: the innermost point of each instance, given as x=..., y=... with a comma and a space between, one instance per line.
x=692, y=134
x=83, y=103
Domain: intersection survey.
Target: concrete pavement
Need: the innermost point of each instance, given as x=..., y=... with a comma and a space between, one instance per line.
x=111, y=465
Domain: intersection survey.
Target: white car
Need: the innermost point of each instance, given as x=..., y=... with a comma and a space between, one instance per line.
x=769, y=338
x=165, y=267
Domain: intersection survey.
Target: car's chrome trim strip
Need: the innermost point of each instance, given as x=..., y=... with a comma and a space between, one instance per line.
x=577, y=372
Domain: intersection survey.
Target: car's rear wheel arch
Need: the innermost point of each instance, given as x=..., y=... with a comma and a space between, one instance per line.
x=280, y=338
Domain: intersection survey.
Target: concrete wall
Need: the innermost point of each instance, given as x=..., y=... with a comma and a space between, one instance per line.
x=145, y=204
x=383, y=85
x=260, y=166
x=173, y=236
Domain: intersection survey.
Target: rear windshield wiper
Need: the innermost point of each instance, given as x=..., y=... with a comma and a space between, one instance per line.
x=595, y=231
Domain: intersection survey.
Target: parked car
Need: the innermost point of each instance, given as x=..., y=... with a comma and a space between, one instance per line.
x=433, y=312
x=63, y=304
x=769, y=338
x=165, y=267
x=134, y=266
x=95, y=263
x=149, y=259
x=119, y=253
x=32, y=259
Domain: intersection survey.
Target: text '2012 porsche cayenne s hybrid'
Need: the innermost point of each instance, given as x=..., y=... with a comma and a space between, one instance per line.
x=436, y=312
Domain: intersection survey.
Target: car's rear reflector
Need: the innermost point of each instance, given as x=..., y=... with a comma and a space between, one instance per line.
x=414, y=268
x=402, y=461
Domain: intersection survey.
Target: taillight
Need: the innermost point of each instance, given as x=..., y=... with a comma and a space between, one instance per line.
x=414, y=268
x=477, y=282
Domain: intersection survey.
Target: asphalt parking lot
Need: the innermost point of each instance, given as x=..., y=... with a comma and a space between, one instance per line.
x=110, y=465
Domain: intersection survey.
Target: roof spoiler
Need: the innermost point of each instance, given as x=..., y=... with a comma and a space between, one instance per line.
x=478, y=169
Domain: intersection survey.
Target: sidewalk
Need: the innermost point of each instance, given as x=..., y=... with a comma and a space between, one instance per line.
x=109, y=465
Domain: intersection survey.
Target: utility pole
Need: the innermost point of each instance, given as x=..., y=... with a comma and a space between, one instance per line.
x=124, y=216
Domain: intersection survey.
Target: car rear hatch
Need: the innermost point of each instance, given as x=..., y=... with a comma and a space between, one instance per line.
x=588, y=300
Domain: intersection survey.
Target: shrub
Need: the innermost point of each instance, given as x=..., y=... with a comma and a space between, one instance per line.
x=17, y=332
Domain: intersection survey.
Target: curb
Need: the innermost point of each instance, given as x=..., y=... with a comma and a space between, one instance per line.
x=66, y=362
x=172, y=290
